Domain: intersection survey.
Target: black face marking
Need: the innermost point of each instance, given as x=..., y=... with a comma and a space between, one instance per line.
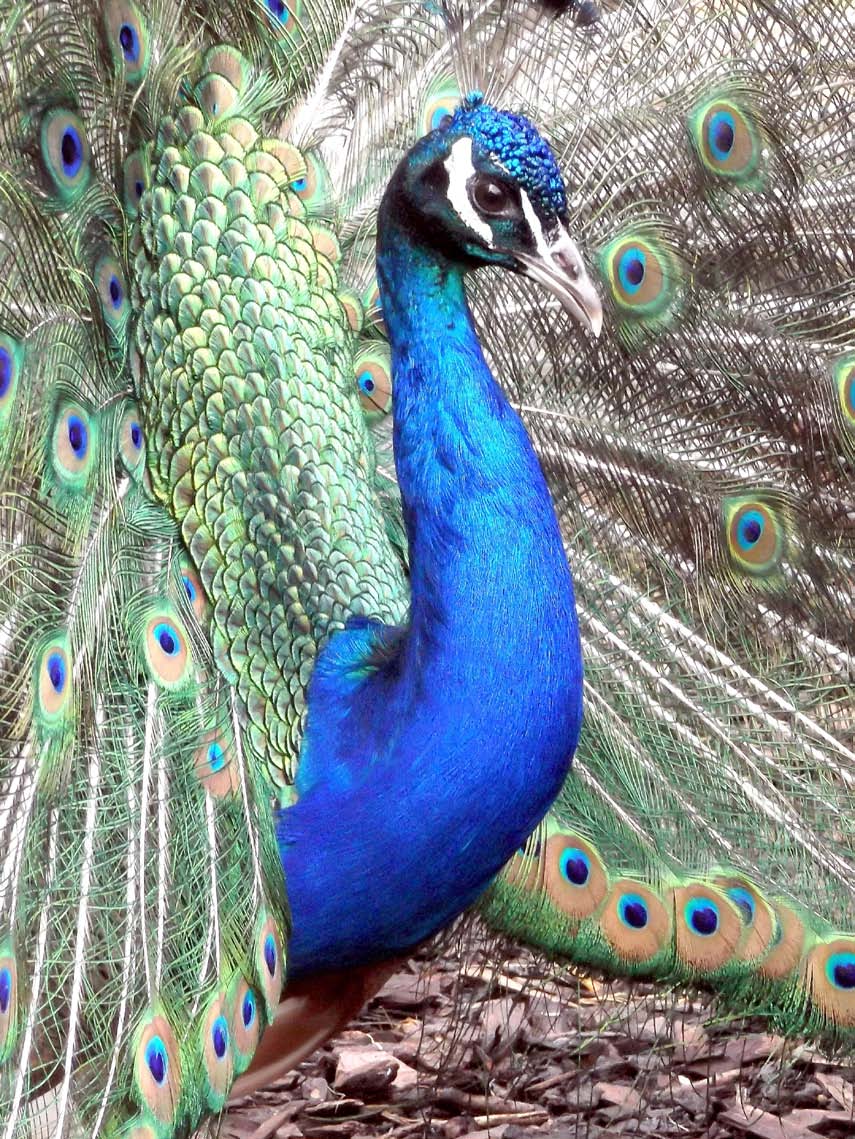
x=435, y=179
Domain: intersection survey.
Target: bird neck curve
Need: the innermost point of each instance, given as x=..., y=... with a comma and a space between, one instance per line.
x=470, y=481
x=455, y=734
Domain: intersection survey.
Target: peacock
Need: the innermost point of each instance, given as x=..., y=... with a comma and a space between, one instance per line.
x=305, y=541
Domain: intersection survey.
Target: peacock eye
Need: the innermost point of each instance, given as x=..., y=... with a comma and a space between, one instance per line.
x=493, y=197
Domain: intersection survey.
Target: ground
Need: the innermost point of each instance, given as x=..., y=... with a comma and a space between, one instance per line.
x=458, y=1047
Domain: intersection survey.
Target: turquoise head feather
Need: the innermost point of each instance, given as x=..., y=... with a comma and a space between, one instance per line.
x=484, y=188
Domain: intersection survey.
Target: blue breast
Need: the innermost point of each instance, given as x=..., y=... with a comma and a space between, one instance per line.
x=431, y=753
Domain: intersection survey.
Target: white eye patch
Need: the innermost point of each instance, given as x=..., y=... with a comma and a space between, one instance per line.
x=540, y=242
x=460, y=169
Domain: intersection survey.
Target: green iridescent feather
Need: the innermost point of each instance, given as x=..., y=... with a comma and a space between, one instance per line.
x=191, y=501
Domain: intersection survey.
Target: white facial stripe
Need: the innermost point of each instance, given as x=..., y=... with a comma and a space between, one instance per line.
x=543, y=247
x=460, y=169
x=562, y=243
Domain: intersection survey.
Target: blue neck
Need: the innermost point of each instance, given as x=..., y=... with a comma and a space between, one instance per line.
x=476, y=506
x=425, y=776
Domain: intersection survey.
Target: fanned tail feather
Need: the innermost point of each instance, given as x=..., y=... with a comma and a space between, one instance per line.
x=143, y=920
x=175, y=547
x=702, y=458
x=700, y=455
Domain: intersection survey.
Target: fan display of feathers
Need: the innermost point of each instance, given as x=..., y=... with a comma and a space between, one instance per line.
x=292, y=670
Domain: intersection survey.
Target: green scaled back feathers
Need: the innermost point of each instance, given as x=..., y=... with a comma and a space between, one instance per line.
x=182, y=461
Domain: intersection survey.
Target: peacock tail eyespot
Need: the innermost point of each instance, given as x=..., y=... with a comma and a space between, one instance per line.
x=727, y=140
x=574, y=876
x=52, y=683
x=844, y=378
x=216, y=767
x=245, y=1023
x=755, y=535
x=840, y=970
x=131, y=441
x=157, y=1070
x=373, y=366
x=167, y=637
x=194, y=591
x=635, y=921
x=78, y=436
x=631, y=269
x=721, y=131
x=270, y=963
x=56, y=671
x=633, y=911
x=709, y=927
x=73, y=449
x=10, y=366
x=438, y=105
x=749, y=530
x=71, y=152
x=157, y=1060
x=6, y=371
x=5, y=990
x=129, y=42
x=110, y=282
x=575, y=866
x=743, y=901
x=127, y=38
x=353, y=310
x=134, y=183
x=167, y=651
x=524, y=870
x=642, y=275
x=829, y=973
x=786, y=943
x=8, y=999
x=440, y=102
x=270, y=957
x=304, y=185
x=278, y=9
x=65, y=152
x=758, y=918
x=311, y=184
x=220, y=1037
x=702, y=916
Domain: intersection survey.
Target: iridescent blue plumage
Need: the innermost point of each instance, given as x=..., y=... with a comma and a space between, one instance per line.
x=513, y=141
x=416, y=737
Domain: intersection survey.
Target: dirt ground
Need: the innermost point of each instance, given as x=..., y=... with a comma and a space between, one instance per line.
x=459, y=1047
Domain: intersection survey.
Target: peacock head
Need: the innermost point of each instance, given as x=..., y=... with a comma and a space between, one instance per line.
x=484, y=189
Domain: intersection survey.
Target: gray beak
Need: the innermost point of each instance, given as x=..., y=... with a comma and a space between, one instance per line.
x=560, y=268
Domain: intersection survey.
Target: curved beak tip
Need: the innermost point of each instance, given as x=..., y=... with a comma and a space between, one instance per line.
x=559, y=267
